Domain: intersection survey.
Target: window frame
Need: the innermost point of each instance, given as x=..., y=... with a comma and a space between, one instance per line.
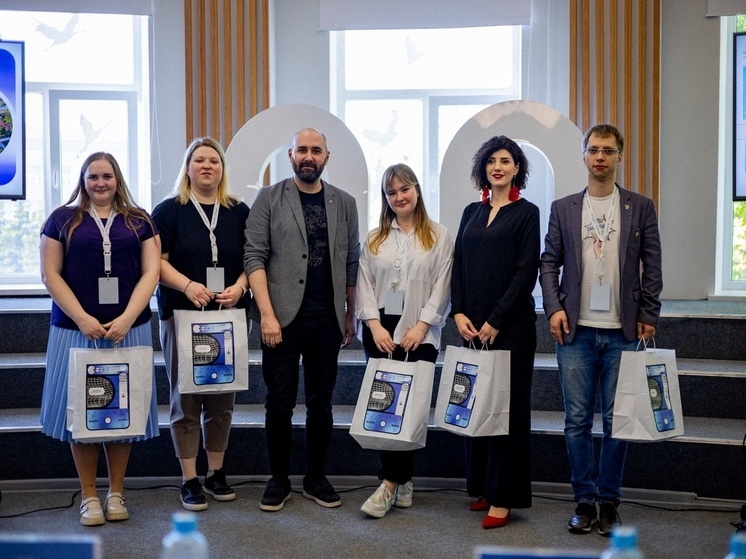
x=137, y=97
x=431, y=100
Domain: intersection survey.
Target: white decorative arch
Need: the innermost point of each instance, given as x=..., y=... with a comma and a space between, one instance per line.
x=271, y=130
x=543, y=127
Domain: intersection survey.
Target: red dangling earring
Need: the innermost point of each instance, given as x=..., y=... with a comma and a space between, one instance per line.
x=485, y=195
x=515, y=192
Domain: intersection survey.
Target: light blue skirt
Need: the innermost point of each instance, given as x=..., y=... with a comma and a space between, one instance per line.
x=54, y=396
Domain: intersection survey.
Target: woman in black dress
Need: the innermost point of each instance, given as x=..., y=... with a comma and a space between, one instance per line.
x=494, y=273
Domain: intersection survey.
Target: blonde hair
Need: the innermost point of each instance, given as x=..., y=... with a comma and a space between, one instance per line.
x=423, y=228
x=123, y=203
x=182, y=187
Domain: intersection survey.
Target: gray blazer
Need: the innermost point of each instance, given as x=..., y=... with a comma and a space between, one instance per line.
x=639, y=261
x=276, y=241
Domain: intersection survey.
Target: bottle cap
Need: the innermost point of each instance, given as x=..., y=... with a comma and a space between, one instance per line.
x=184, y=522
x=738, y=543
x=624, y=537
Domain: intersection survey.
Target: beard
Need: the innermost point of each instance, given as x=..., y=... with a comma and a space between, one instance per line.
x=309, y=173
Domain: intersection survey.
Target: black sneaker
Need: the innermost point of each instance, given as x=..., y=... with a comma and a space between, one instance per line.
x=608, y=519
x=275, y=494
x=584, y=518
x=218, y=487
x=192, y=497
x=320, y=490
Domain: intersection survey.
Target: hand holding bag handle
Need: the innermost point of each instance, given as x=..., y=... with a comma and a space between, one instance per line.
x=393, y=405
x=647, y=402
x=213, y=350
x=109, y=392
x=474, y=392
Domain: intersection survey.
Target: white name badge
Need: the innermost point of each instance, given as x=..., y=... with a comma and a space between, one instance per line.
x=600, y=296
x=108, y=291
x=216, y=279
x=394, y=302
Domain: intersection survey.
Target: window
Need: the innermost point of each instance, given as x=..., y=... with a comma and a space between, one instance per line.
x=405, y=93
x=86, y=91
x=737, y=277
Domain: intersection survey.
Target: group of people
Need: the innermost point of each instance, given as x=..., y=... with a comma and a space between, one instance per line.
x=313, y=288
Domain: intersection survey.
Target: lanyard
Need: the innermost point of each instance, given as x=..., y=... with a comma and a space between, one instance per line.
x=105, y=235
x=211, y=225
x=601, y=234
x=401, y=248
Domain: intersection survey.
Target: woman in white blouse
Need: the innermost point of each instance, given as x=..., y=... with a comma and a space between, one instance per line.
x=403, y=299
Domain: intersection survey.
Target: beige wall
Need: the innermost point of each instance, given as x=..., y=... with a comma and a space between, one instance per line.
x=690, y=78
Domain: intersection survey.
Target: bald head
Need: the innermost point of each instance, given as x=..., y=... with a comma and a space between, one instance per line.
x=308, y=135
x=308, y=156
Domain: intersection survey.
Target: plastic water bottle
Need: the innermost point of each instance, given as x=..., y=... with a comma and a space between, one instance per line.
x=184, y=541
x=737, y=546
x=623, y=544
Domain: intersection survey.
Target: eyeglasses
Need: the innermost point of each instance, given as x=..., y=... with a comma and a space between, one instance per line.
x=608, y=152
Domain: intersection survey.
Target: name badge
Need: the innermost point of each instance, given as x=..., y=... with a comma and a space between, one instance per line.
x=394, y=302
x=600, y=296
x=216, y=279
x=108, y=291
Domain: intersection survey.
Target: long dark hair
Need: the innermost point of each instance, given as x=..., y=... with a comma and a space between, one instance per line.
x=496, y=143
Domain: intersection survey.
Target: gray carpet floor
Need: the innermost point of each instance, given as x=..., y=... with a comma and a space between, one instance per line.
x=438, y=525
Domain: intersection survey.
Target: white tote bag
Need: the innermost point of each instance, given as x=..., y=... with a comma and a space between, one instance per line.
x=474, y=392
x=109, y=392
x=213, y=351
x=647, y=403
x=393, y=405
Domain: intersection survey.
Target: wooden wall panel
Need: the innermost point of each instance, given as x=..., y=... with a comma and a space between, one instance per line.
x=615, y=78
x=226, y=65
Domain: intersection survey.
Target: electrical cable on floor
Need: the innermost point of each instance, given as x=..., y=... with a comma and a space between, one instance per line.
x=645, y=505
x=61, y=507
x=739, y=526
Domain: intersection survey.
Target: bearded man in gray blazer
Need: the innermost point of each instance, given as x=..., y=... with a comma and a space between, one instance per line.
x=605, y=240
x=301, y=257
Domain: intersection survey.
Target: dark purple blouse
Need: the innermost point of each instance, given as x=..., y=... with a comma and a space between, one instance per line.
x=83, y=264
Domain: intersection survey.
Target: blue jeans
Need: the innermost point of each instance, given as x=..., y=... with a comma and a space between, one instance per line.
x=591, y=360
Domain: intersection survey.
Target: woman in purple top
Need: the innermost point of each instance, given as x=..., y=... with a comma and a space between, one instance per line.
x=72, y=261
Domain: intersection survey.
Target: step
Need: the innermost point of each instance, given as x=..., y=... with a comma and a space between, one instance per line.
x=710, y=388
x=696, y=329
x=700, y=430
x=706, y=461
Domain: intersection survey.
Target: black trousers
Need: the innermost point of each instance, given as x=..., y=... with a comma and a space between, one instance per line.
x=317, y=340
x=499, y=468
x=396, y=466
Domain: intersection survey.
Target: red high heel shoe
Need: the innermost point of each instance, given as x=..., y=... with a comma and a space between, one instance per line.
x=495, y=521
x=479, y=505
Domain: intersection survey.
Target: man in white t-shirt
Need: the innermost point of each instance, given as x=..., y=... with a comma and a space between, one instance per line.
x=605, y=241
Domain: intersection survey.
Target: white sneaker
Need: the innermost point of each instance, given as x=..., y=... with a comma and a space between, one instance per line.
x=114, y=508
x=379, y=503
x=403, y=495
x=91, y=513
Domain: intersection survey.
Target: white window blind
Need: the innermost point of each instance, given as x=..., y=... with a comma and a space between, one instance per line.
x=347, y=15
x=126, y=7
x=725, y=7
